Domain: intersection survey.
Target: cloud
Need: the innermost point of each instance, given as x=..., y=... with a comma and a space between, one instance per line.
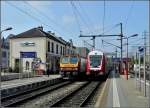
x=39, y=4
x=68, y=20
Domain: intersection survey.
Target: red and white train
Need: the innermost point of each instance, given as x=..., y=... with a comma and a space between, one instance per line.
x=96, y=63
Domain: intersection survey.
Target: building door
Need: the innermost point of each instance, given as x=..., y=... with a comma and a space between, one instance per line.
x=17, y=62
x=27, y=65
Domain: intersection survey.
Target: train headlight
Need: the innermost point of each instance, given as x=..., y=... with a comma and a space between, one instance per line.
x=75, y=68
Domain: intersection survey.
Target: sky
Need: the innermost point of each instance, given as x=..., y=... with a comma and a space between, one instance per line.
x=67, y=19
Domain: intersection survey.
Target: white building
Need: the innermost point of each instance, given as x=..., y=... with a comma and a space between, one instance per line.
x=36, y=44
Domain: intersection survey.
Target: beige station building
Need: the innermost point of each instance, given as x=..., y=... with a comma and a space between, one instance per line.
x=37, y=45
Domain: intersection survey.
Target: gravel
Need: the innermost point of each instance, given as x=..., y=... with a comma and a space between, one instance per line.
x=50, y=97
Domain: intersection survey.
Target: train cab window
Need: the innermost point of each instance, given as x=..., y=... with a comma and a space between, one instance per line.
x=65, y=60
x=95, y=60
x=73, y=60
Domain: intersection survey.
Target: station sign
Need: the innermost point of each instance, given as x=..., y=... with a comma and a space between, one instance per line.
x=28, y=44
x=119, y=59
x=141, y=49
x=28, y=54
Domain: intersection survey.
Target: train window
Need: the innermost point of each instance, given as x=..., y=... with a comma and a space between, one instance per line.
x=95, y=60
x=65, y=60
x=73, y=60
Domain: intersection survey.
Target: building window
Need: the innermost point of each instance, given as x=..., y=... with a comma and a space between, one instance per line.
x=61, y=50
x=27, y=65
x=52, y=47
x=48, y=46
x=56, y=48
x=4, y=54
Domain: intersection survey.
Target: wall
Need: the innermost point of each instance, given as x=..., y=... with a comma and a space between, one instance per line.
x=16, y=48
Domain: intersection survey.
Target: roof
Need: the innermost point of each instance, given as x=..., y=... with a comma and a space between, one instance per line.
x=38, y=32
x=35, y=32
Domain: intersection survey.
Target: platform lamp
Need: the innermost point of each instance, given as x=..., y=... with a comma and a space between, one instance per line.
x=134, y=35
x=9, y=28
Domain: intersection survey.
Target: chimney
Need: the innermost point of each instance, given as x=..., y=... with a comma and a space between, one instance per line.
x=40, y=28
x=61, y=38
x=53, y=34
x=49, y=32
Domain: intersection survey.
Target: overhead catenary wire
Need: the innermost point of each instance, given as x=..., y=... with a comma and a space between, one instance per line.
x=46, y=16
x=32, y=16
x=75, y=8
x=88, y=19
x=107, y=28
x=129, y=14
x=104, y=17
x=77, y=20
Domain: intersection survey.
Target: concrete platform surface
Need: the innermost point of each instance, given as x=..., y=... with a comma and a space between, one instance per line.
x=123, y=93
x=12, y=76
x=18, y=86
x=25, y=81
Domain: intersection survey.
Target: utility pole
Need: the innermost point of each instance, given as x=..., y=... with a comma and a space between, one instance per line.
x=94, y=36
x=121, y=35
x=127, y=60
x=139, y=71
x=116, y=52
x=93, y=42
x=127, y=52
x=145, y=63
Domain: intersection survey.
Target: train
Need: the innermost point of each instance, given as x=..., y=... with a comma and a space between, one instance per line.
x=97, y=64
x=72, y=65
x=94, y=64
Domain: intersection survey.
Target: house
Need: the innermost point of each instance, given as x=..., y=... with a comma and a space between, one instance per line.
x=36, y=45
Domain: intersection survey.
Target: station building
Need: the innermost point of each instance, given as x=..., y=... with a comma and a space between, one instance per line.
x=36, y=44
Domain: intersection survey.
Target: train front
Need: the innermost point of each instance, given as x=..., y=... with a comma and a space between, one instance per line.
x=96, y=63
x=69, y=65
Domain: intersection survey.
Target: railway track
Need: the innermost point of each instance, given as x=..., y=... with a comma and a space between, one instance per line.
x=14, y=100
x=65, y=94
x=79, y=97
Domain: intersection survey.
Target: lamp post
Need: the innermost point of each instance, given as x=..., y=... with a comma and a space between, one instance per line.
x=1, y=54
x=9, y=28
x=127, y=51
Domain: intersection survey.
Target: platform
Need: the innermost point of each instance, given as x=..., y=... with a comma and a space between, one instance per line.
x=123, y=93
x=11, y=76
x=17, y=86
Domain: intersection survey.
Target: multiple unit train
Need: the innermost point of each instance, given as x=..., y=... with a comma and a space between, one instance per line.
x=96, y=63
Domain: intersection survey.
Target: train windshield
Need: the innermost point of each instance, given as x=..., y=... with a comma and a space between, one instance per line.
x=65, y=60
x=73, y=60
x=95, y=60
